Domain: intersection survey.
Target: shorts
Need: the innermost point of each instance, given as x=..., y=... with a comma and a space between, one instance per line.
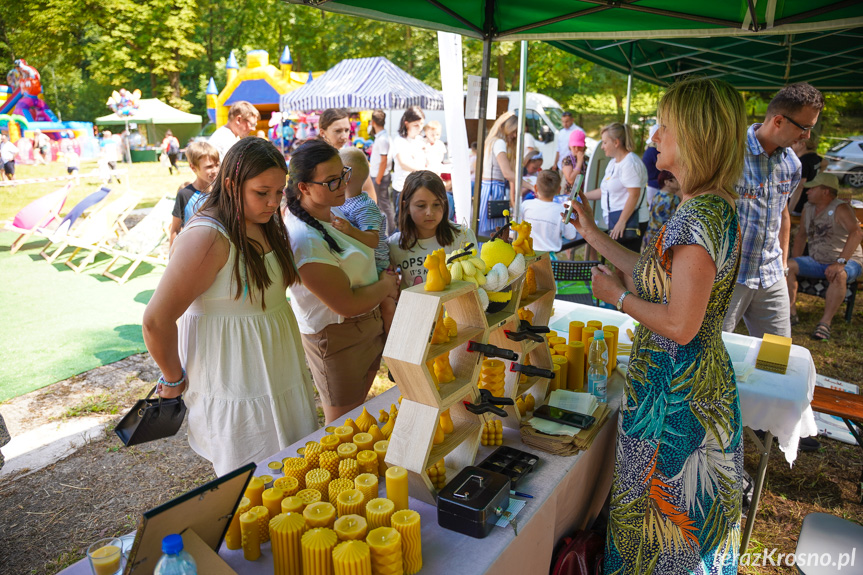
x=342, y=355
x=812, y=269
x=9, y=167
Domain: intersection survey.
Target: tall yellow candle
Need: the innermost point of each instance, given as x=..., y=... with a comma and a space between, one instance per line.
x=351, y=502
x=575, y=328
x=351, y=527
x=575, y=366
x=296, y=467
x=310, y=496
x=551, y=333
x=381, y=451
x=345, y=433
x=352, y=558
x=586, y=335
x=286, y=531
x=385, y=547
x=250, y=529
x=317, y=547
x=367, y=483
x=407, y=523
x=347, y=450
x=564, y=369
x=329, y=460
x=233, y=539
x=254, y=490
x=595, y=323
x=329, y=443
x=348, y=469
x=337, y=486
x=273, y=500
x=379, y=511
x=320, y=514
x=364, y=441
x=397, y=487
x=367, y=461
x=553, y=341
x=288, y=485
x=555, y=382
x=612, y=332
x=319, y=479
x=311, y=453
x=293, y=504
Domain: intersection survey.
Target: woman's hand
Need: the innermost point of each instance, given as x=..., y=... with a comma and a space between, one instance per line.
x=166, y=392
x=605, y=284
x=617, y=231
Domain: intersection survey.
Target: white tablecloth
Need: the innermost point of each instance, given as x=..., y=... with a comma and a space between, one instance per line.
x=770, y=401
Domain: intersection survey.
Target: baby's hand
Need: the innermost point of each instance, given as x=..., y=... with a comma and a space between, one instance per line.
x=342, y=225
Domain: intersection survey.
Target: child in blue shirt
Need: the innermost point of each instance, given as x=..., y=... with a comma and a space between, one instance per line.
x=204, y=160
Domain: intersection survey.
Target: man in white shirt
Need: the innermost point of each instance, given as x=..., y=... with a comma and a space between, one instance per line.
x=381, y=167
x=543, y=214
x=562, y=139
x=242, y=119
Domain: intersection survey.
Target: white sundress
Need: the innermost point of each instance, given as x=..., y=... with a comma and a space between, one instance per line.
x=250, y=394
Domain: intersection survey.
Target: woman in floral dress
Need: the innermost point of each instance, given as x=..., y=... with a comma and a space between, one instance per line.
x=676, y=495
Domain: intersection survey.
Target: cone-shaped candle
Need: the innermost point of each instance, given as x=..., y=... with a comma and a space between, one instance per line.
x=365, y=420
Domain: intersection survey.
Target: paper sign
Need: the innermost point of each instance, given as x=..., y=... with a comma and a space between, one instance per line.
x=471, y=111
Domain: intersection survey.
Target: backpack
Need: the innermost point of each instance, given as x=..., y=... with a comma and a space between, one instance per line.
x=581, y=554
x=173, y=146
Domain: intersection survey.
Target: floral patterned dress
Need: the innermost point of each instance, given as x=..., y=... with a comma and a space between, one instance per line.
x=676, y=495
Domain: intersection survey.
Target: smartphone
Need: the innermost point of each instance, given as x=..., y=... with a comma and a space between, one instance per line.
x=566, y=417
x=574, y=197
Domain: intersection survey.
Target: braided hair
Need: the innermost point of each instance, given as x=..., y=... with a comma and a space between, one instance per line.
x=302, y=169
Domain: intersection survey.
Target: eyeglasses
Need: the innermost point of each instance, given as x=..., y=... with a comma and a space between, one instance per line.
x=334, y=185
x=804, y=128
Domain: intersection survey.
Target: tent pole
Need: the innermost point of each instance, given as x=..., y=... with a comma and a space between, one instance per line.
x=629, y=85
x=481, y=132
x=519, y=145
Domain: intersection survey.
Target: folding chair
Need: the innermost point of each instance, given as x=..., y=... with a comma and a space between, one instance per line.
x=143, y=242
x=37, y=214
x=101, y=228
x=573, y=280
x=59, y=235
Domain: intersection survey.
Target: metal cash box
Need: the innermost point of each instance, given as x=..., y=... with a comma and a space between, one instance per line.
x=472, y=502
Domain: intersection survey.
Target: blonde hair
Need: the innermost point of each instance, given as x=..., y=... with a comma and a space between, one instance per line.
x=504, y=125
x=620, y=132
x=434, y=125
x=244, y=110
x=708, y=118
x=356, y=160
x=197, y=151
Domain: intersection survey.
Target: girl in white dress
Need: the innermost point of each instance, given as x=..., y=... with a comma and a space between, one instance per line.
x=236, y=350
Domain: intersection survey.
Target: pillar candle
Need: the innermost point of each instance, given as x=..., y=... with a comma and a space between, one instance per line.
x=348, y=469
x=561, y=361
x=397, y=487
x=293, y=504
x=254, y=490
x=317, y=549
x=575, y=328
x=367, y=483
x=272, y=499
x=351, y=502
x=351, y=527
x=575, y=365
x=553, y=341
x=286, y=531
x=612, y=332
x=310, y=496
x=329, y=460
x=320, y=514
x=347, y=450
x=319, y=479
x=586, y=335
x=385, y=547
x=381, y=451
x=560, y=349
x=311, y=453
x=367, y=461
x=289, y=485
x=263, y=522
x=251, y=538
x=233, y=539
x=364, y=441
x=296, y=467
x=407, y=523
x=352, y=558
x=555, y=382
x=337, y=486
x=345, y=433
x=595, y=323
x=379, y=511
x=551, y=333
x=329, y=443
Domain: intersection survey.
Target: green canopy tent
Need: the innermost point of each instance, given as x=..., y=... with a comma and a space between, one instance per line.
x=158, y=117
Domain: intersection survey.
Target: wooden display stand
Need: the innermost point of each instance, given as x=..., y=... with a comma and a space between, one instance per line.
x=409, y=348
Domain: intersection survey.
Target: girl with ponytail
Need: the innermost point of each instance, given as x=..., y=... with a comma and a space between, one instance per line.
x=337, y=303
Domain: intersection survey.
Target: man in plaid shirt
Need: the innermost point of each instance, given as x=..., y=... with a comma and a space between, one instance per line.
x=771, y=173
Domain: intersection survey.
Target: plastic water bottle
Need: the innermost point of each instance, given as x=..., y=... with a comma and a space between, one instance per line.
x=597, y=373
x=174, y=560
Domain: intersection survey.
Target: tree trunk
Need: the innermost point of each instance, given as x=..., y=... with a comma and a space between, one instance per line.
x=153, y=86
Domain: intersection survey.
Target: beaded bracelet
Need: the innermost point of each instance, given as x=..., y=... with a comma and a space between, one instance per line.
x=176, y=384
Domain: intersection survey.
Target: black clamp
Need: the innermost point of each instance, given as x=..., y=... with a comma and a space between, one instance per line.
x=488, y=402
x=531, y=370
x=527, y=331
x=489, y=350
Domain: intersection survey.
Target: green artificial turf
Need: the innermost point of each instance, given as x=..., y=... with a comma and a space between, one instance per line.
x=55, y=323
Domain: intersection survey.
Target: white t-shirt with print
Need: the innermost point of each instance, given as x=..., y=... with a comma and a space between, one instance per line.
x=630, y=172
x=411, y=261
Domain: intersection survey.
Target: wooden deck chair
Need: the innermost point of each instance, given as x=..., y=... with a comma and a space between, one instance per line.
x=101, y=229
x=37, y=214
x=143, y=242
x=58, y=236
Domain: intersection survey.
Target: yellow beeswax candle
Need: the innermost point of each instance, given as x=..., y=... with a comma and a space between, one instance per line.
x=351, y=423
x=367, y=483
x=312, y=452
x=555, y=382
x=337, y=486
x=575, y=328
x=275, y=467
x=381, y=451
x=365, y=420
x=268, y=480
x=263, y=522
x=310, y=496
x=351, y=502
x=347, y=450
x=233, y=539
x=385, y=547
x=594, y=323
x=272, y=499
x=407, y=523
x=367, y=461
x=397, y=487
x=293, y=504
x=379, y=511
x=319, y=479
x=348, y=469
x=105, y=560
x=345, y=433
x=254, y=490
x=329, y=443
x=286, y=531
x=560, y=349
x=364, y=441
x=564, y=369
x=320, y=514
x=296, y=467
x=288, y=485
x=351, y=527
x=329, y=460
x=574, y=365
x=612, y=332
x=317, y=548
x=553, y=341
x=586, y=335
x=376, y=433
x=352, y=558
x=252, y=532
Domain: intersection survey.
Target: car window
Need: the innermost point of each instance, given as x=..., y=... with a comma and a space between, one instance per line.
x=838, y=146
x=533, y=123
x=555, y=115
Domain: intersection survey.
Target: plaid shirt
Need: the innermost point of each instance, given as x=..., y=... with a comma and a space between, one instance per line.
x=764, y=188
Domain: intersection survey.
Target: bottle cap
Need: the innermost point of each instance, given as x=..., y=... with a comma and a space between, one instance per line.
x=598, y=335
x=172, y=544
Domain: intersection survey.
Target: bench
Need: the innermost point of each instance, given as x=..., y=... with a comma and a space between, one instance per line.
x=846, y=406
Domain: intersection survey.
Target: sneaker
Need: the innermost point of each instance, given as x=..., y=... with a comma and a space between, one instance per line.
x=809, y=444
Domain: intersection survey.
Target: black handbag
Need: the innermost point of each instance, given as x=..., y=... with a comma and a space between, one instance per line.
x=150, y=419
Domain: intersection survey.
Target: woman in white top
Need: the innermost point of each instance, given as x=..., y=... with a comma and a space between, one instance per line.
x=498, y=174
x=335, y=126
x=337, y=303
x=621, y=188
x=408, y=151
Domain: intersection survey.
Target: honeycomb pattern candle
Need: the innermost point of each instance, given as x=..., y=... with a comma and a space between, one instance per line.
x=385, y=545
x=379, y=511
x=251, y=536
x=293, y=504
x=352, y=558
x=286, y=531
x=364, y=441
x=263, y=515
x=312, y=452
x=367, y=483
x=319, y=479
x=367, y=461
x=351, y=502
x=575, y=328
x=310, y=496
x=407, y=523
x=348, y=469
x=365, y=420
x=297, y=467
x=345, y=433
x=337, y=486
x=381, y=451
x=329, y=460
x=351, y=527
x=397, y=487
x=320, y=514
x=288, y=485
x=233, y=539
x=273, y=500
x=254, y=491
x=329, y=443
x=317, y=546
x=347, y=450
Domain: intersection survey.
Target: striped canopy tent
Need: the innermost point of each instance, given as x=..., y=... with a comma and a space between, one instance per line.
x=363, y=84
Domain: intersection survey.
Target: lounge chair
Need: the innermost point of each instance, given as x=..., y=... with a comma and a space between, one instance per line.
x=100, y=230
x=143, y=243
x=37, y=214
x=58, y=236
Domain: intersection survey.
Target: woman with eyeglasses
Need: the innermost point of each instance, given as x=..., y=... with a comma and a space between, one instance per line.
x=337, y=302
